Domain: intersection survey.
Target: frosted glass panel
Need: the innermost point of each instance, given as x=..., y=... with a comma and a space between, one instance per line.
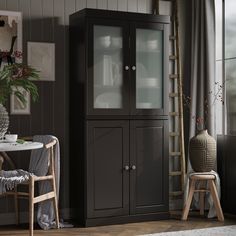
x=108, y=77
x=149, y=63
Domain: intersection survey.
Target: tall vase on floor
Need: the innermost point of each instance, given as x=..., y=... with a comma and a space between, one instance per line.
x=202, y=152
x=4, y=121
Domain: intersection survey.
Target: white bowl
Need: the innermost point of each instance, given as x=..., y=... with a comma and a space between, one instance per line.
x=11, y=137
x=152, y=44
x=108, y=100
x=144, y=105
x=105, y=41
x=148, y=82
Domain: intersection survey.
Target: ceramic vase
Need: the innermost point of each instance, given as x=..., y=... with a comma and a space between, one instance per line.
x=202, y=152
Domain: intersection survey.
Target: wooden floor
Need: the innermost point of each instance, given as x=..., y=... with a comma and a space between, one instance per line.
x=174, y=224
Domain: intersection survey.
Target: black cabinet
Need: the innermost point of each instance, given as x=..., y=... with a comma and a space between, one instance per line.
x=226, y=165
x=107, y=179
x=148, y=153
x=118, y=105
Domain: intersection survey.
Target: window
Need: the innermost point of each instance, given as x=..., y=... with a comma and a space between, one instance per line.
x=226, y=62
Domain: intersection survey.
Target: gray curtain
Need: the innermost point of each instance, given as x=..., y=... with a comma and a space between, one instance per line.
x=202, y=75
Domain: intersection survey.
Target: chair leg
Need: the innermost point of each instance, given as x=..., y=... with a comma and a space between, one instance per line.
x=16, y=206
x=216, y=200
x=31, y=206
x=202, y=199
x=189, y=200
x=55, y=204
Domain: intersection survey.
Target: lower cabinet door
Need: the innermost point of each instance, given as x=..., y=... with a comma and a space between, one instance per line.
x=107, y=168
x=149, y=166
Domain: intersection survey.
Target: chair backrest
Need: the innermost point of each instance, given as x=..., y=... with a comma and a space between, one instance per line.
x=1, y=162
x=41, y=159
x=51, y=146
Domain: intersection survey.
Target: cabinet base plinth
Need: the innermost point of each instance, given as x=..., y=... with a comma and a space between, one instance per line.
x=126, y=219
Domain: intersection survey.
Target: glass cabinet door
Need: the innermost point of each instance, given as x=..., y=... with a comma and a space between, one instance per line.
x=148, y=70
x=108, y=88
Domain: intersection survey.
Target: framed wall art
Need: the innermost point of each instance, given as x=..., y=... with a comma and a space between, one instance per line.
x=10, y=37
x=16, y=106
x=41, y=56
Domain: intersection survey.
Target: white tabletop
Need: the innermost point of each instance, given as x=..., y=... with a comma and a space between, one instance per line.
x=8, y=147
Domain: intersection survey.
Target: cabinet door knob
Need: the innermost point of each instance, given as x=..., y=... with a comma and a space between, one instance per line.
x=126, y=67
x=133, y=167
x=126, y=168
x=133, y=67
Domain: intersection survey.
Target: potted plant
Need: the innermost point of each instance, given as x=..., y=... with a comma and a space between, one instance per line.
x=12, y=77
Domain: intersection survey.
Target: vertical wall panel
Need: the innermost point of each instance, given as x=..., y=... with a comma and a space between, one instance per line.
x=12, y=5
x=149, y=6
x=24, y=7
x=102, y=4
x=47, y=20
x=122, y=5
x=112, y=5
x=91, y=4
x=60, y=85
x=3, y=4
x=36, y=27
x=132, y=5
x=80, y=4
x=69, y=9
x=142, y=6
x=14, y=121
x=47, y=92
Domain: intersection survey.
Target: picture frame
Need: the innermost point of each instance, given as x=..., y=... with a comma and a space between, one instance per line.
x=16, y=106
x=10, y=37
x=41, y=56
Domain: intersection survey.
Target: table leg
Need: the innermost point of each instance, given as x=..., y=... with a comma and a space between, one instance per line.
x=8, y=159
x=1, y=162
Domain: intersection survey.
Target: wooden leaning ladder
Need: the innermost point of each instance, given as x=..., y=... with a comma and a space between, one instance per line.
x=177, y=151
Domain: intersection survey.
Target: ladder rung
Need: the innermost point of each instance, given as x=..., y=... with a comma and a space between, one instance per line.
x=172, y=37
x=172, y=57
x=175, y=173
x=201, y=190
x=176, y=193
x=173, y=134
x=173, y=76
x=173, y=113
x=172, y=95
x=173, y=154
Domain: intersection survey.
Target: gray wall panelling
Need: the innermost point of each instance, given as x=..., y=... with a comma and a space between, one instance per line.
x=47, y=21
x=132, y=5
x=112, y=5
x=102, y=4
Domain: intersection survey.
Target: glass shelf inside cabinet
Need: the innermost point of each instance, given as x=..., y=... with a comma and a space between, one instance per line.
x=108, y=64
x=149, y=63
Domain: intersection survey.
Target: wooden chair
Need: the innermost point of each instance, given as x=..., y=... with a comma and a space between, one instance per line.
x=31, y=193
x=203, y=178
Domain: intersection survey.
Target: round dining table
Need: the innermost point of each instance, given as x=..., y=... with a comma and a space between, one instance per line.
x=15, y=146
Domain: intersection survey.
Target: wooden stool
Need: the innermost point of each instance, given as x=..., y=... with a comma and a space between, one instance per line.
x=212, y=188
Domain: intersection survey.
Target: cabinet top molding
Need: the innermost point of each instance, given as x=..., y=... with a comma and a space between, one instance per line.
x=87, y=12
